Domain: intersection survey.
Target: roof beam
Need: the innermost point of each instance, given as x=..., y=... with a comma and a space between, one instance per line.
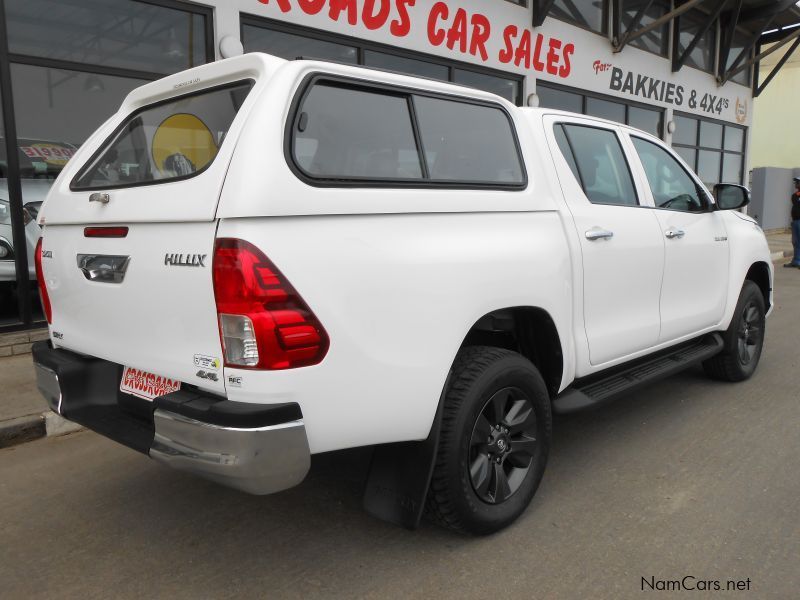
x=540, y=10
x=678, y=60
x=728, y=33
x=770, y=9
x=780, y=63
x=630, y=34
x=777, y=46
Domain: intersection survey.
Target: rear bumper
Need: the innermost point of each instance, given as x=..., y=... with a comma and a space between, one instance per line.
x=256, y=448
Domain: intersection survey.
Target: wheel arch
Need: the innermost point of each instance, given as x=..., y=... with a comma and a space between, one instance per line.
x=759, y=273
x=528, y=330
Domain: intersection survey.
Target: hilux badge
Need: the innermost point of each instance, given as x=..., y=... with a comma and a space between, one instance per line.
x=185, y=260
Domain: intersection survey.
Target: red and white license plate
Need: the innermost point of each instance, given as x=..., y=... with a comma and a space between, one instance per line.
x=146, y=385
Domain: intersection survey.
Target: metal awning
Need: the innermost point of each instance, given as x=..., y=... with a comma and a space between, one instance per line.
x=775, y=22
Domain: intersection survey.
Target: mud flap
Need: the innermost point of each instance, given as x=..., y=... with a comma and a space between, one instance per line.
x=399, y=477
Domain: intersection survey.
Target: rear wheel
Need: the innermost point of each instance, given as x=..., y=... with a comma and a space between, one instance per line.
x=744, y=338
x=494, y=443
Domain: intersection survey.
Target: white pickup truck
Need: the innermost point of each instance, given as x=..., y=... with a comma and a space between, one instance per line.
x=258, y=260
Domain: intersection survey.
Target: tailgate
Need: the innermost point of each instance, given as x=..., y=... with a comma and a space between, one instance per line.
x=157, y=314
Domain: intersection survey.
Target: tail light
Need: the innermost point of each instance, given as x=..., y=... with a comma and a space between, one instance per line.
x=48, y=311
x=263, y=321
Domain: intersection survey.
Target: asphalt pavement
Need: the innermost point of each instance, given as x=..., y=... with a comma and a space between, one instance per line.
x=687, y=481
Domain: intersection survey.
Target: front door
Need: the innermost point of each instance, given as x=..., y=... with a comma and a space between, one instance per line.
x=696, y=260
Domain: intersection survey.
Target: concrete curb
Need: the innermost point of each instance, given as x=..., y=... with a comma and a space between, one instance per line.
x=21, y=430
x=781, y=255
x=33, y=427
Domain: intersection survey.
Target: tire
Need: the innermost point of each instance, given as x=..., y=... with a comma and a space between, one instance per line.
x=744, y=338
x=489, y=387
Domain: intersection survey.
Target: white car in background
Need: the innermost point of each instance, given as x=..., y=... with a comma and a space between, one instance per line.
x=40, y=164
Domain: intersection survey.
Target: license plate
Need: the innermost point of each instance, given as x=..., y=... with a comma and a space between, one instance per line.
x=146, y=385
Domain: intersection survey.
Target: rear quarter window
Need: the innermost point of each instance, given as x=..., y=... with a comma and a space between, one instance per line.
x=346, y=133
x=171, y=140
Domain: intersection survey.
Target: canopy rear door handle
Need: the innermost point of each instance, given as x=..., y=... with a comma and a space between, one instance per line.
x=597, y=233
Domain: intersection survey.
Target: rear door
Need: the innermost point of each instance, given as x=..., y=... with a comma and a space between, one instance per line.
x=129, y=236
x=621, y=244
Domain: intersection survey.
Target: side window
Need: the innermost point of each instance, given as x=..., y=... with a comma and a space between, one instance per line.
x=348, y=133
x=467, y=142
x=354, y=134
x=563, y=145
x=672, y=186
x=596, y=157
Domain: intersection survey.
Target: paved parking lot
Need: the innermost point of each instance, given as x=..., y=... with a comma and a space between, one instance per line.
x=687, y=478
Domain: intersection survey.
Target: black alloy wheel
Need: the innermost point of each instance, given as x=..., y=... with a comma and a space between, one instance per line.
x=503, y=445
x=744, y=338
x=751, y=333
x=494, y=441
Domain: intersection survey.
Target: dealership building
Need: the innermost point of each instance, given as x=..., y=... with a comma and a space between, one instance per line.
x=686, y=71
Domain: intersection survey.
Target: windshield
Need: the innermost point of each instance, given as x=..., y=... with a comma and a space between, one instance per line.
x=171, y=140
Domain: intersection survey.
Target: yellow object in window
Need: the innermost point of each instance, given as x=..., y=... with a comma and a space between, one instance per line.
x=183, y=145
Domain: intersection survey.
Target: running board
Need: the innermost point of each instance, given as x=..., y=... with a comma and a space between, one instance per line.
x=595, y=390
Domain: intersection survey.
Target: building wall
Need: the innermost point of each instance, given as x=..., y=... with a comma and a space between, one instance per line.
x=776, y=118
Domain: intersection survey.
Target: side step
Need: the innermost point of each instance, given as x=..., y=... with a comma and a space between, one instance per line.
x=596, y=389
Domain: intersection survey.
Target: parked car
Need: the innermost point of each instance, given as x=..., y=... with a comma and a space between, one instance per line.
x=40, y=162
x=31, y=189
x=256, y=261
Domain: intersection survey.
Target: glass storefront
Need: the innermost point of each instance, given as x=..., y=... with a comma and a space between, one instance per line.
x=715, y=150
x=646, y=118
x=69, y=64
x=291, y=42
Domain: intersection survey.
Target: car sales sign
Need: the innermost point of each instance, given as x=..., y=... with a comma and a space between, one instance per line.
x=499, y=35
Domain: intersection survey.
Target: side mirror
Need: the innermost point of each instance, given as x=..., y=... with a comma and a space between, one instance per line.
x=731, y=196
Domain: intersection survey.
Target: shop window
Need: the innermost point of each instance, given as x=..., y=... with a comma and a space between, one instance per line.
x=710, y=134
x=483, y=152
x=703, y=54
x=505, y=88
x=590, y=14
x=401, y=64
x=605, y=109
x=715, y=151
x=656, y=40
x=114, y=33
x=685, y=131
x=291, y=46
x=559, y=99
x=647, y=119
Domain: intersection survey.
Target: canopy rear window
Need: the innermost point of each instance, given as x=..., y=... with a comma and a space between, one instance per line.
x=168, y=141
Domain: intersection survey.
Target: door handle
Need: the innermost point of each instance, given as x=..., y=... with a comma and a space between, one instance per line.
x=674, y=234
x=596, y=233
